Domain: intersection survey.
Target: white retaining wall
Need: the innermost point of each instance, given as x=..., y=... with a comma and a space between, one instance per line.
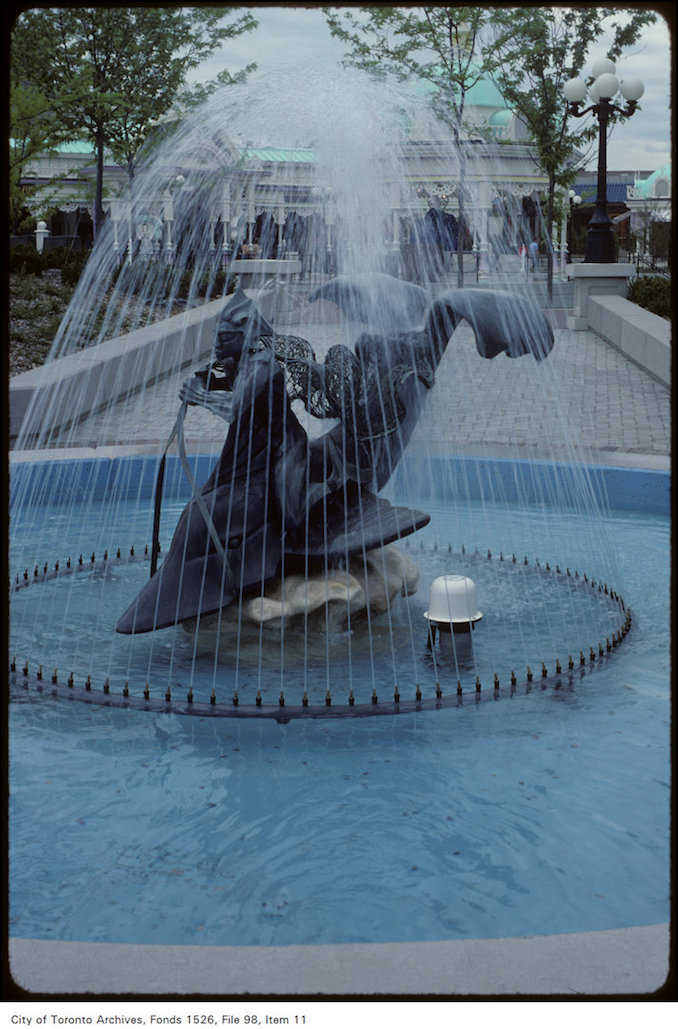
x=72, y=387
x=644, y=338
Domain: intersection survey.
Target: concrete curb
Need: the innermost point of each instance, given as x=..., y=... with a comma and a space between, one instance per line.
x=620, y=962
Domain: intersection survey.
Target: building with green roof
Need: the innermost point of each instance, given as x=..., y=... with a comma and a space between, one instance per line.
x=282, y=183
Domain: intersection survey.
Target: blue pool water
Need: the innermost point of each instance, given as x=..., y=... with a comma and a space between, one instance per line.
x=536, y=814
x=530, y=615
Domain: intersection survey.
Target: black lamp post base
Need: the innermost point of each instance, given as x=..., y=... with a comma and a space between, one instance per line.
x=600, y=248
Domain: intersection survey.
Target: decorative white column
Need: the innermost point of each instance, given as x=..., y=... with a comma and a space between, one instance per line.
x=168, y=216
x=395, y=201
x=41, y=234
x=250, y=219
x=115, y=211
x=563, y=247
x=130, y=237
x=484, y=212
x=280, y=219
x=213, y=241
x=226, y=217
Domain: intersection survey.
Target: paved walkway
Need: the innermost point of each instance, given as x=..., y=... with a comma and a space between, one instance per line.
x=585, y=400
x=605, y=410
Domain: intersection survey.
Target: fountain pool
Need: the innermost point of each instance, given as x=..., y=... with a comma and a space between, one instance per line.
x=497, y=813
x=539, y=813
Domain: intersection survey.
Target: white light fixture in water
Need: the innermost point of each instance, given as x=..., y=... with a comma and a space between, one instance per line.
x=453, y=603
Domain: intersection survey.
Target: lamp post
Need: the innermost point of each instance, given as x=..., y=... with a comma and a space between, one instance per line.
x=575, y=201
x=603, y=90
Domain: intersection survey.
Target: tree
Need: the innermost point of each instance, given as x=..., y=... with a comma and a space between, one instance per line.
x=28, y=137
x=33, y=128
x=438, y=45
x=115, y=69
x=535, y=50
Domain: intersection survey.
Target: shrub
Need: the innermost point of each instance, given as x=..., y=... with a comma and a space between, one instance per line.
x=651, y=292
x=59, y=257
x=142, y=275
x=71, y=270
x=184, y=285
x=208, y=286
x=26, y=260
x=54, y=257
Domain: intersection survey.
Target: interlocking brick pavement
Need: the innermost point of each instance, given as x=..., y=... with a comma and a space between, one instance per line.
x=586, y=400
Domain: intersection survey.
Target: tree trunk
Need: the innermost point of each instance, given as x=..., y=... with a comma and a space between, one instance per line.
x=98, y=209
x=549, y=239
x=461, y=221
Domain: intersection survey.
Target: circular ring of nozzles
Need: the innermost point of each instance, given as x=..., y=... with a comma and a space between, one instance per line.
x=454, y=606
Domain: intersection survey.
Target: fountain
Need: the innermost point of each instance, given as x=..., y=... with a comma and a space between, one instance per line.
x=289, y=555
x=263, y=489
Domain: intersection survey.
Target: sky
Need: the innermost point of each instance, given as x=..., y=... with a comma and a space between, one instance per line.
x=290, y=36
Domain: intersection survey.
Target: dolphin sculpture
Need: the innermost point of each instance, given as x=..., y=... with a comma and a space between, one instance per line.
x=280, y=501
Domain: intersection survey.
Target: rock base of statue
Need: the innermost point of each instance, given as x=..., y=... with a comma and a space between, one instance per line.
x=324, y=602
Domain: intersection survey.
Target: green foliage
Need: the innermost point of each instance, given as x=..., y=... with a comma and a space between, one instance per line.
x=535, y=51
x=651, y=292
x=57, y=257
x=71, y=269
x=170, y=281
x=26, y=260
x=113, y=70
x=435, y=44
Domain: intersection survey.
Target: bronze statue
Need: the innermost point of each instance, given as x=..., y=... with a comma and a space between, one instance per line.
x=278, y=501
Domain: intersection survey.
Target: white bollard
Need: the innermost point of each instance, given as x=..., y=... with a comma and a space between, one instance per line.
x=40, y=234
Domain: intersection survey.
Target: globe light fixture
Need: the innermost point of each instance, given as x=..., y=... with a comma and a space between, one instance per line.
x=575, y=90
x=603, y=87
x=632, y=89
x=603, y=66
x=607, y=86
